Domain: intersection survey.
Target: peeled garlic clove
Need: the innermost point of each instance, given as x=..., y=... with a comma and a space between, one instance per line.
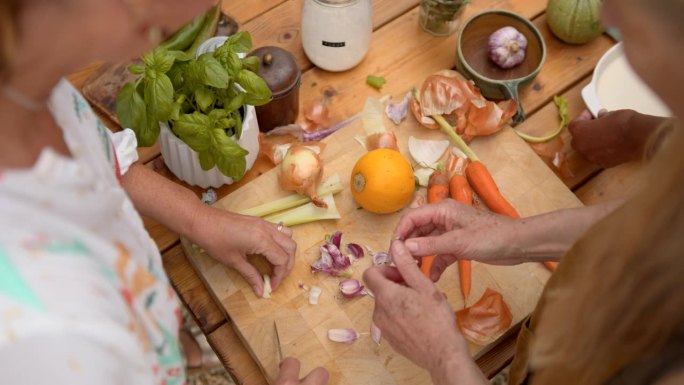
x=375, y=332
x=507, y=47
x=267, y=287
x=351, y=288
x=314, y=295
x=343, y=335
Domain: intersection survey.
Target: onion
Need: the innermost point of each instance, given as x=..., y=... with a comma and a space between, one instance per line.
x=301, y=171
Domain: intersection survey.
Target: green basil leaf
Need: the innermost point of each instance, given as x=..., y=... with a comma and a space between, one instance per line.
x=136, y=69
x=225, y=123
x=204, y=98
x=234, y=103
x=251, y=63
x=206, y=160
x=256, y=101
x=255, y=86
x=218, y=114
x=238, y=124
x=130, y=109
x=213, y=74
x=225, y=145
x=234, y=168
x=180, y=56
x=147, y=136
x=159, y=60
x=159, y=97
x=195, y=130
x=164, y=60
x=240, y=42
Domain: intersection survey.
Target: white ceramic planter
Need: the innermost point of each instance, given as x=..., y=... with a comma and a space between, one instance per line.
x=184, y=161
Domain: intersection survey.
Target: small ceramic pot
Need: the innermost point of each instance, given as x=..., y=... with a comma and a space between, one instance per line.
x=473, y=56
x=280, y=72
x=184, y=161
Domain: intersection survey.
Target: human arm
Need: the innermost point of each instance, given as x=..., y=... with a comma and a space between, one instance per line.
x=614, y=137
x=225, y=236
x=417, y=321
x=455, y=231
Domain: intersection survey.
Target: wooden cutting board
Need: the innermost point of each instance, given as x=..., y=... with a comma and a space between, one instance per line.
x=522, y=177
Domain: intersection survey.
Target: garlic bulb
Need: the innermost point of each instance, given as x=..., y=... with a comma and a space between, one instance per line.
x=507, y=47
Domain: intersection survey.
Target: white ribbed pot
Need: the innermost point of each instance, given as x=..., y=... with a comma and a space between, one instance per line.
x=184, y=162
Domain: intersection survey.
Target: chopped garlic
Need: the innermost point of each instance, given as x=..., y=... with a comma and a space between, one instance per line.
x=314, y=295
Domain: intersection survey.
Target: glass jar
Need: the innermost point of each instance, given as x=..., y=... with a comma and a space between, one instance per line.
x=336, y=34
x=441, y=17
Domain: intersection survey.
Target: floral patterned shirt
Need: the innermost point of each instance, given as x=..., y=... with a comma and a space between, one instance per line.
x=83, y=295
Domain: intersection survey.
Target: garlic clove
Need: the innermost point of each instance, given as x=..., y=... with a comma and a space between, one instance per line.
x=351, y=288
x=343, y=335
x=315, y=295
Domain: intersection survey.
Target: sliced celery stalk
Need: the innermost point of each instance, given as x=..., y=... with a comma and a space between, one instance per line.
x=331, y=186
x=307, y=213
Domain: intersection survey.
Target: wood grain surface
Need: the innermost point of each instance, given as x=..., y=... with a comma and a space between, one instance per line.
x=523, y=178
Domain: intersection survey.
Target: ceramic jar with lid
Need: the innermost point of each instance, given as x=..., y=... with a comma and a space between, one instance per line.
x=336, y=34
x=279, y=69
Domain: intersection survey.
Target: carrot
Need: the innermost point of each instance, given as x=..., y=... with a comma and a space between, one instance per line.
x=464, y=274
x=461, y=192
x=551, y=265
x=438, y=190
x=485, y=187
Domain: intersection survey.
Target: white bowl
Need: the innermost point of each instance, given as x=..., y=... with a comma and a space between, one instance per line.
x=184, y=161
x=615, y=86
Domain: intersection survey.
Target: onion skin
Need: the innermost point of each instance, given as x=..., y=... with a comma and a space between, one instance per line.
x=302, y=171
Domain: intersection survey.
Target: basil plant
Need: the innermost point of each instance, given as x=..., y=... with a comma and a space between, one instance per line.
x=201, y=99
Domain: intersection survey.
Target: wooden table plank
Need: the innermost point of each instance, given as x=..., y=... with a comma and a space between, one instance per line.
x=245, y=10
x=281, y=25
x=618, y=182
x=394, y=55
x=238, y=363
x=195, y=296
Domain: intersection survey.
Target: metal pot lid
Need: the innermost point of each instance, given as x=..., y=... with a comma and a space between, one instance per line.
x=278, y=68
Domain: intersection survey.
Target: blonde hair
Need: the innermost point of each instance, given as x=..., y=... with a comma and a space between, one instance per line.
x=8, y=32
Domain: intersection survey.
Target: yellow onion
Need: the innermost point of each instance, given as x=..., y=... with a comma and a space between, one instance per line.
x=301, y=171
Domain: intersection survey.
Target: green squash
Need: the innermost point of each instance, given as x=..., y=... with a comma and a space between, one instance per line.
x=575, y=21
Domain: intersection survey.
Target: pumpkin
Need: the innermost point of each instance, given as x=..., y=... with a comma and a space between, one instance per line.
x=382, y=181
x=575, y=21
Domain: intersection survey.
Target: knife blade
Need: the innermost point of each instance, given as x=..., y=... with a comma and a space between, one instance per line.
x=279, y=346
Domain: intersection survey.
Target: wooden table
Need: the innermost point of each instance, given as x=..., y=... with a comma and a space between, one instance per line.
x=404, y=55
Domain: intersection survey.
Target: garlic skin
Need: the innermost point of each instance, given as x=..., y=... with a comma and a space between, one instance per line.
x=507, y=47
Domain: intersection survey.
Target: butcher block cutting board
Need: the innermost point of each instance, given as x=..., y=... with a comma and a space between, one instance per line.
x=522, y=177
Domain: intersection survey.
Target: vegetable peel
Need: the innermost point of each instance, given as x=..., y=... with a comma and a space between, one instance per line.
x=486, y=319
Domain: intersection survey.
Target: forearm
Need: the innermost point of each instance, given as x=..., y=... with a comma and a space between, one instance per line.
x=548, y=237
x=459, y=369
x=168, y=203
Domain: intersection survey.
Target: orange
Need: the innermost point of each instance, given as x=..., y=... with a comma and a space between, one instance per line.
x=382, y=181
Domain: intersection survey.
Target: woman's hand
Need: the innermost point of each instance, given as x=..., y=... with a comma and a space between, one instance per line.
x=230, y=238
x=416, y=319
x=289, y=374
x=614, y=137
x=453, y=231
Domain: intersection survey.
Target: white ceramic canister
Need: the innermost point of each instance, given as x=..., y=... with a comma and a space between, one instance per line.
x=336, y=34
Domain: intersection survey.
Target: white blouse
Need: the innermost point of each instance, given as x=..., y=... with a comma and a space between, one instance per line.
x=83, y=294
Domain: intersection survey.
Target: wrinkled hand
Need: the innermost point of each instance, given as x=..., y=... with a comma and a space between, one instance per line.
x=289, y=374
x=412, y=313
x=613, y=138
x=453, y=231
x=230, y=238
